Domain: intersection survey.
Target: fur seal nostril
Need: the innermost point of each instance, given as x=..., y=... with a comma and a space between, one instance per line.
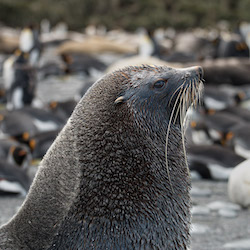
x=115, y=177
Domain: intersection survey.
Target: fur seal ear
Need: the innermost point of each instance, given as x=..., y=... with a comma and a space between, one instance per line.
x=120, y=99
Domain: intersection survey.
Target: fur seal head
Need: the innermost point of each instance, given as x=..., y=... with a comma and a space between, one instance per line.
x=115, y=177
x=128, y=196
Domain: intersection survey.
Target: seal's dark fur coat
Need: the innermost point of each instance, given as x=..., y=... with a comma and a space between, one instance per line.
x=103, y=184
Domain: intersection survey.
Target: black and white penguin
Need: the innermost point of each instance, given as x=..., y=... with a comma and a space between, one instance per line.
x=19, y=80
x=44, y=120
x=219, y=123
x=242, y=113
x=15, y=153
x=8, y=71
x=212, y=161
x=40, y=143
x=232, y=45
x=82, y=63
x=17, y=124
x=218, y=98
x=238, y=138
x=13, y=180
x=19, y=70
x=62, y=109
x=146, y=46
x=234, y=71
x=29, y=42
x=24, y=124
x=199, y=133
x=53, y=68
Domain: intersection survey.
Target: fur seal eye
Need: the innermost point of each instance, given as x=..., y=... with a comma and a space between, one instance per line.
x=159, y=84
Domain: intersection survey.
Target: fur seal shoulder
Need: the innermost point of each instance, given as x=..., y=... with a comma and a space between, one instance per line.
x=104, y=183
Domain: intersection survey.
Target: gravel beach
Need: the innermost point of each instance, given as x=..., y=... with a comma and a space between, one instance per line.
x=217, y=223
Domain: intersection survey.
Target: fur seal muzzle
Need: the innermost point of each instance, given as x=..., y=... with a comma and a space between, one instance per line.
x=104, y=183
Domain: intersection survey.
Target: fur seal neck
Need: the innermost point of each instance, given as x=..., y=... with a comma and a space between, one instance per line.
x=104, y=183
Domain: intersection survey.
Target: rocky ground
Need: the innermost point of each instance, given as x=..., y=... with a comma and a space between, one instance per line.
x=217, y=223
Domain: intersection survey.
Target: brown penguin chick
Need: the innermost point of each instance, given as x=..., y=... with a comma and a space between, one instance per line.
x=115, y=177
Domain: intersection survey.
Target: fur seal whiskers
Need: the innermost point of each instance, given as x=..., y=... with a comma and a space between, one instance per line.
x=189, y=95
x=103, y=184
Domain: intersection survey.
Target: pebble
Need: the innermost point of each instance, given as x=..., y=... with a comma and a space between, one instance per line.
x=199, y=229
x=227, y=212
x=217, y=205
x=239, y=244
x=198, y=192
x=200, y=210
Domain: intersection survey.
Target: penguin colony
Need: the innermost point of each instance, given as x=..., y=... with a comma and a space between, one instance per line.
x=217, y=138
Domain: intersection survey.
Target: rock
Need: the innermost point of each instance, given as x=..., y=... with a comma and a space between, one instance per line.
x=199, y=229
x=200, y=210
x=197, y=192
x=227, y=212
x=239, y=184
x=239, y=244
x=217, y=205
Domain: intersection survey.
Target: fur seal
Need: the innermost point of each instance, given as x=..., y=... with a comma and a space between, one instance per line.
x=104, y=183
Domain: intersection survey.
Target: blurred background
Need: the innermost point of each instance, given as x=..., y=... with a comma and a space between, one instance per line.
x=129, y=15
x=51, y=52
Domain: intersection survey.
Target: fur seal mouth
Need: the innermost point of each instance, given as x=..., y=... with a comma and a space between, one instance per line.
x=188, y=95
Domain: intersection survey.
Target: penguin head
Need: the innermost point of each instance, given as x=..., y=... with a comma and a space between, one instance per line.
x=19, y=154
